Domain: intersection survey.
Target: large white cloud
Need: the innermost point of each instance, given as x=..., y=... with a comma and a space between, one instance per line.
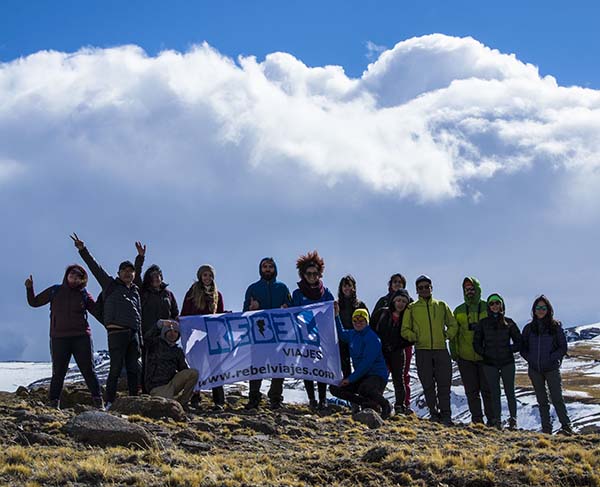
x=427, y=119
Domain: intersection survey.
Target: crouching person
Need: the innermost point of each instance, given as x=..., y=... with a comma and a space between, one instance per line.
x=167, y=373
x=365, y=386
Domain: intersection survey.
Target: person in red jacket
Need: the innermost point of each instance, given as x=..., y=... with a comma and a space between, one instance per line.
x=203, y=298
x=70, y=333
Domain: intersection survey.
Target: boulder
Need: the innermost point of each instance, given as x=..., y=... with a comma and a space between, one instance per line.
x=375, y=454
x=260, y=426
x=368, y=417
x=104, y=429
x=22, y=392
x=150, y=406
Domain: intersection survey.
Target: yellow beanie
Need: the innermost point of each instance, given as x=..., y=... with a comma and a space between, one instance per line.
x=361, y=312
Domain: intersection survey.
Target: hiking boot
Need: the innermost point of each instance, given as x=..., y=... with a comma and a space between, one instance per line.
x=97, y=402
x=195, y=401
x=386, y=410
x=254, y=404
x=322, y=406
x=447, y=421
x=566, y=430
x=400, y=409
x=274, y=405
x=355, y=408
x=435, y=417
x=218, y=407
x=512, y=424
x=107, y=405
x=54, y=404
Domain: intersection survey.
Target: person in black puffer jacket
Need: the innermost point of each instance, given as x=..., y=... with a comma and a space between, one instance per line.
x=167, y=373
x=387, y=323
x=492, y=340
x=543, y=347
x=122, y=318
x=348, y=303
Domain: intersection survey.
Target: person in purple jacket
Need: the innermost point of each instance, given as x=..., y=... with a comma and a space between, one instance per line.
x=543, y=346
x=311, y=290
x=70, y=333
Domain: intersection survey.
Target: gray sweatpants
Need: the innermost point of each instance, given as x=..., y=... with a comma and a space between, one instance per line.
x=434, y=369
x=493, y=375
x=554, y=382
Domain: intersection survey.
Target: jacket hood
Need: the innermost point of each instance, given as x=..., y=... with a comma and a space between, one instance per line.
x=274, y=265
x=475, y=299
x=497, y=296
x=80, y=269
x=399, y=292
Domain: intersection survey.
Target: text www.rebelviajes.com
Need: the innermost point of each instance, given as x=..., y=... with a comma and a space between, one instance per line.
x=288, y=370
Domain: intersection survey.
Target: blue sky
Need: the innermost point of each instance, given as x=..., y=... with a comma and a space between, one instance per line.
x=469, y=152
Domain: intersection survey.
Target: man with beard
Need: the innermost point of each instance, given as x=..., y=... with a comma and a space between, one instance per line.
x=266, y=293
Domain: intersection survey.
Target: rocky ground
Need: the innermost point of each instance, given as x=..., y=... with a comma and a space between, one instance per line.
x=150, y=442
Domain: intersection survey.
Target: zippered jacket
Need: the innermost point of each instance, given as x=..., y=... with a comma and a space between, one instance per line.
x=495, y=342
x=545, y=350
x=365, y=352
x=467, y=317
x=270, y=294
x=428, y=323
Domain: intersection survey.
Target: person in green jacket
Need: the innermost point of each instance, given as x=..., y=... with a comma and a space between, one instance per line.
x=469, y=363
x=428, y=323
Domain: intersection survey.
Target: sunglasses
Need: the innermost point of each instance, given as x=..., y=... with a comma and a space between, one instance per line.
x=423, y=287
x=541, y=308
x=494, y=303
x=311, y=273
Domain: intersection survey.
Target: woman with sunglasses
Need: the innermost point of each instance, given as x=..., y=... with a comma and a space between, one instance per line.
x=311, y=290
x=543, y=347
x=497, y=338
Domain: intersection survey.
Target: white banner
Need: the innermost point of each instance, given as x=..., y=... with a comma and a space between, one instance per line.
x=296, y=342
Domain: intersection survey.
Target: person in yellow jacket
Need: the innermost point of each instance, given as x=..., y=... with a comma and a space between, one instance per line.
x=428, y=323
x=468, y=315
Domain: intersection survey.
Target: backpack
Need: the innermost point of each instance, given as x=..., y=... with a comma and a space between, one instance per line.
x=98, y=309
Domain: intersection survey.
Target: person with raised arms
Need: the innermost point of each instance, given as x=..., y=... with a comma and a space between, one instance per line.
x=70, y=332
x=364, y=387
x=311, y=290
x=428, y=323
x=266, y=293
x=121, y=314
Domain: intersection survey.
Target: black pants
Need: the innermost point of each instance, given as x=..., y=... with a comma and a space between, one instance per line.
x=275, y=393
x=365, y=392
x=345, y=359
x=123, y=348
x=434, y=368
x=553, y=380
x=395, y=362
x=493, y=375
x=61, y=350
x=476, y=389
x=218, y=394
x=309, y=385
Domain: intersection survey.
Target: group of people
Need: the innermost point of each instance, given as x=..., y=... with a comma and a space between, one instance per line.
x=141, y=316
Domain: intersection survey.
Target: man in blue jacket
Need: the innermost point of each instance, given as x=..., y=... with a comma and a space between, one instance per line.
x=365, y=386
x=266, y=293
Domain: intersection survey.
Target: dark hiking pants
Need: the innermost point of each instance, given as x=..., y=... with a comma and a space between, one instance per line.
x=275, y=393
x=408, y=353
x=309, y=385
x=476, y=389
x=434, y=368
x=364, y=392
x=553, y=380
x=61, y=350
x=395, y=361
x=493, y=375
x=218, y=395
x=123, y=348
x=345, y=359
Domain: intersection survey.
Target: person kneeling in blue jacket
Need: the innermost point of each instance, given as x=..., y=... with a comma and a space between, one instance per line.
x=365, y=386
